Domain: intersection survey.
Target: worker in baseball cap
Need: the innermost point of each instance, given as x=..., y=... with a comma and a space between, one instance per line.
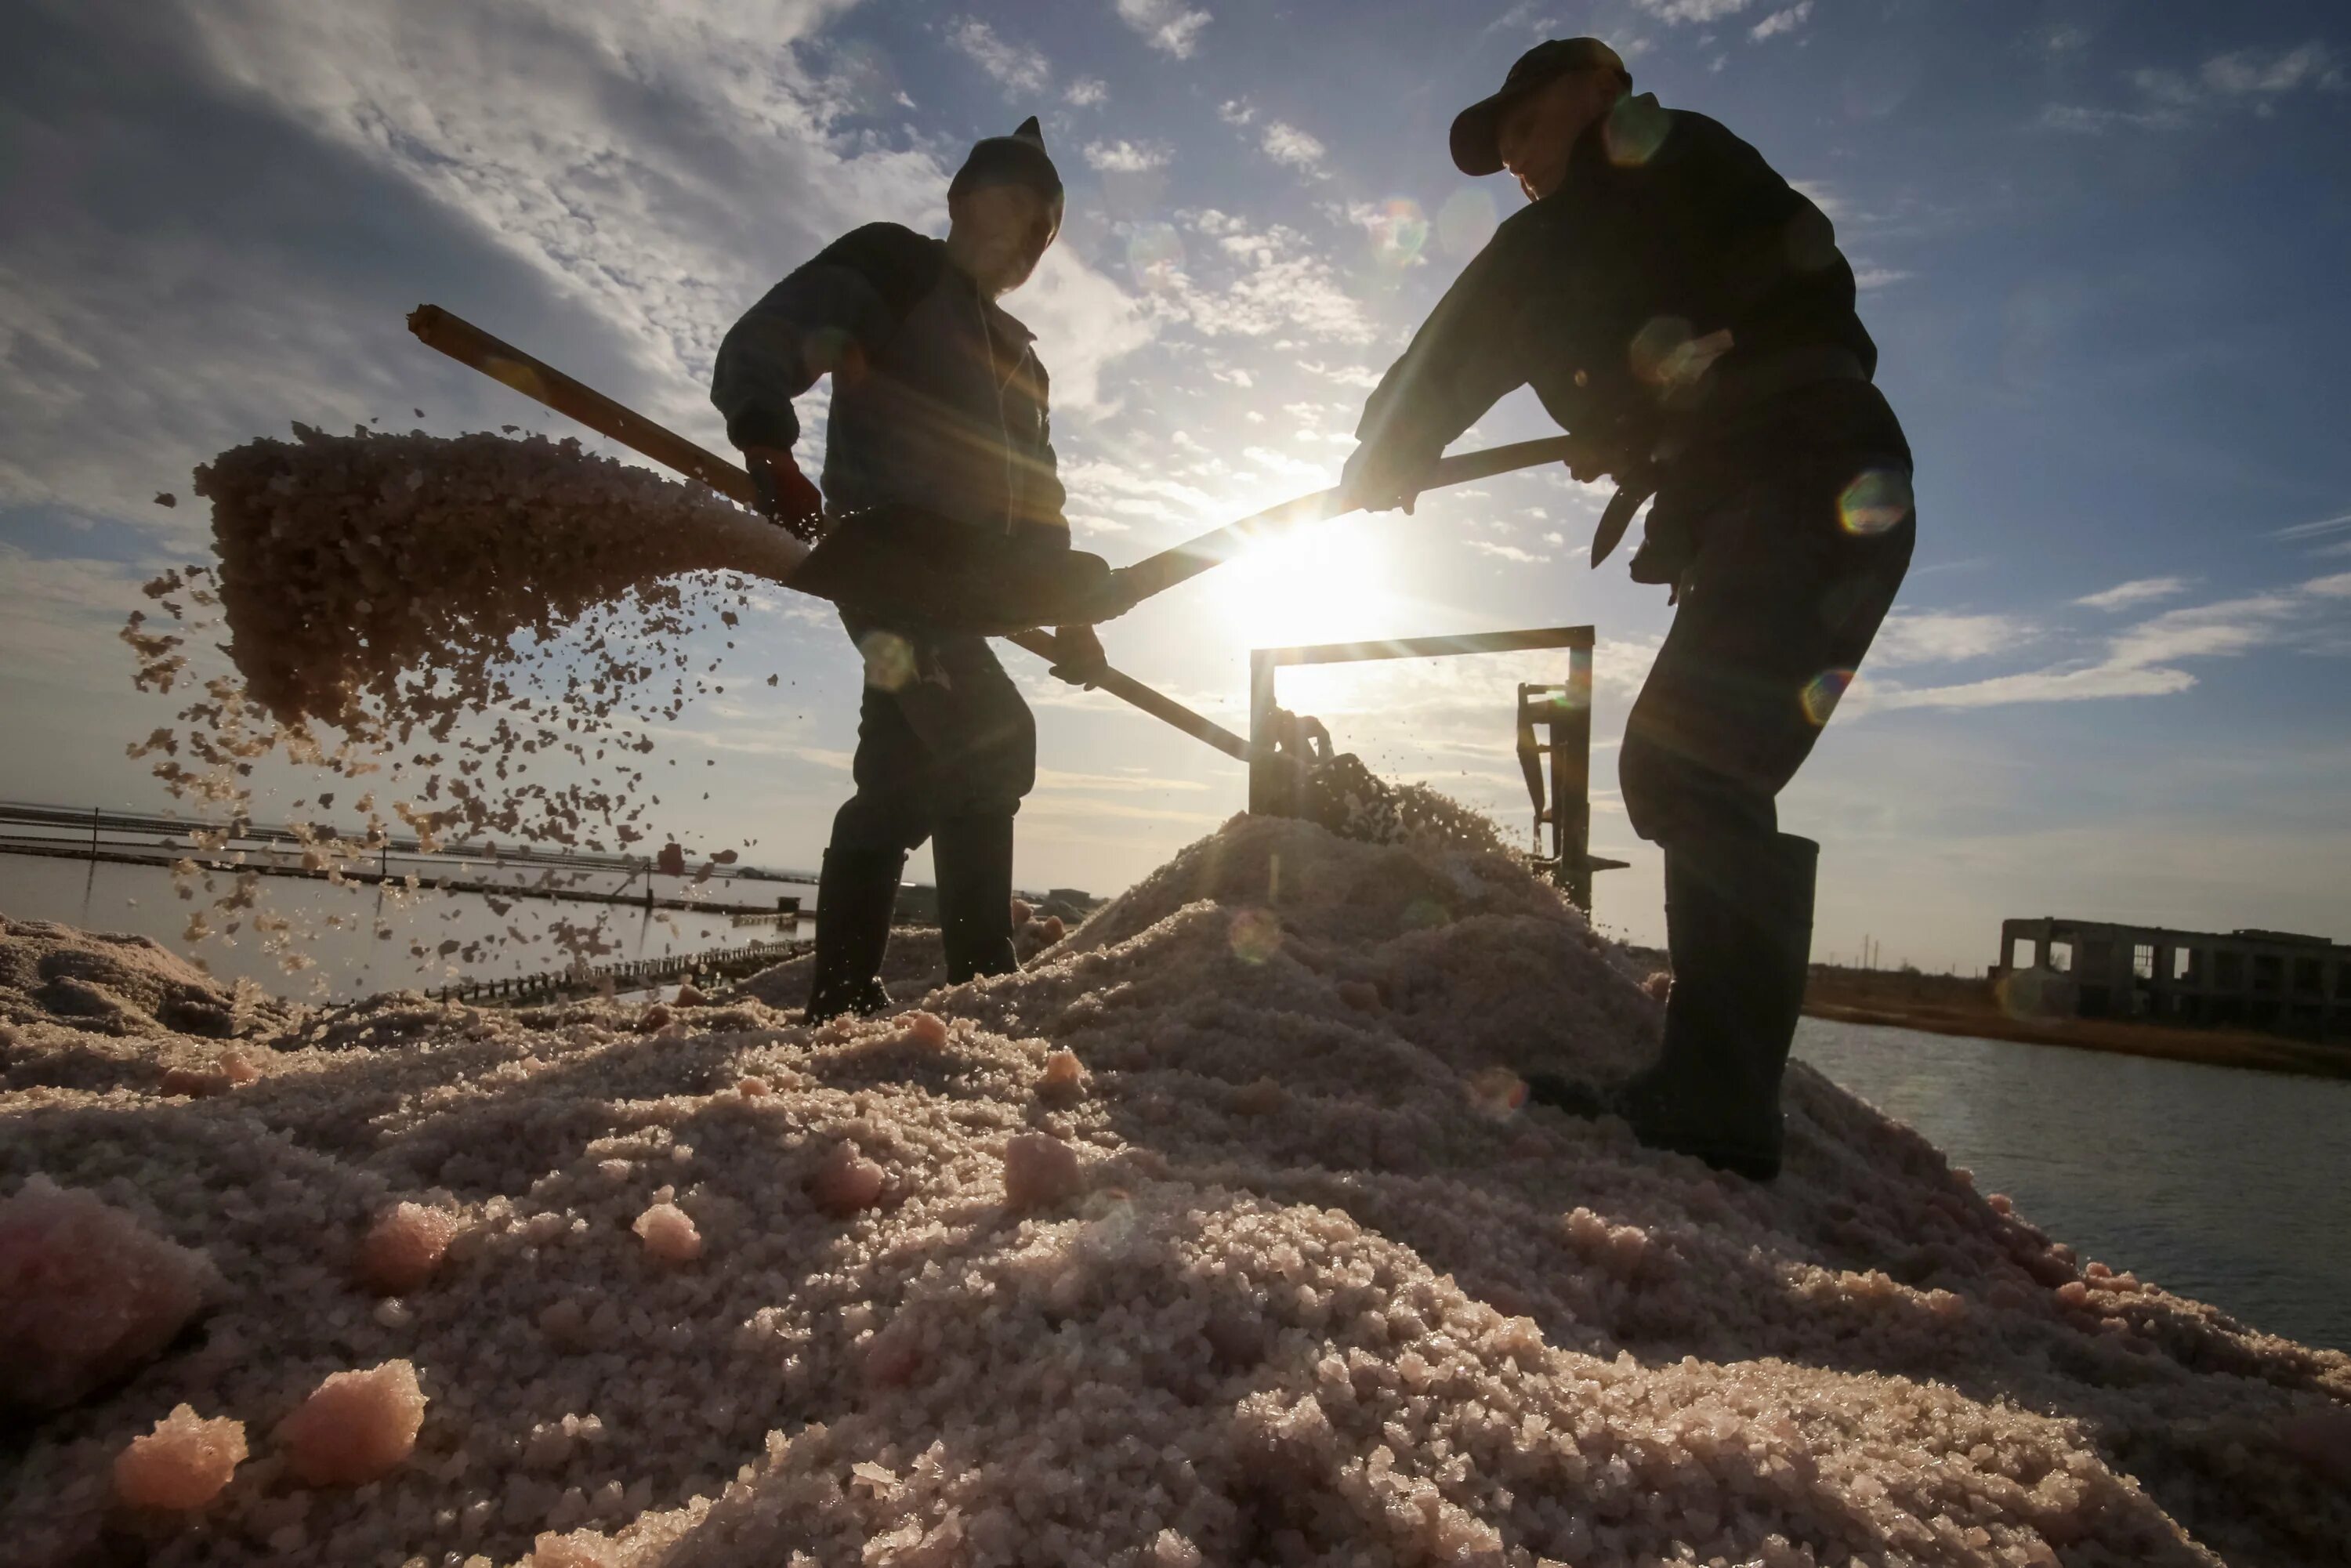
x=1687, y=317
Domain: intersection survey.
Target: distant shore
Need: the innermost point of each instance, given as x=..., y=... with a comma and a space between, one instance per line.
x=1948, y=1005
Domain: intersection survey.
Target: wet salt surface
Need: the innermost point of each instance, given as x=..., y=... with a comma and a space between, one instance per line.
x=352, y=962
x=1297, y=1284
x=2228, y=1186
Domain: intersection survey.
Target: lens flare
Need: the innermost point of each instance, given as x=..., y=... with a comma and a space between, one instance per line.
x=1823, y=692
x=1256, y=935
x=1154, y=255
x=1634, y=132
x=1875, y=501
x=889, y=660
x=1466, y=222
x=1399, y=231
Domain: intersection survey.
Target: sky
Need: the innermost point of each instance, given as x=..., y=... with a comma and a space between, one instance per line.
x=2101, y=247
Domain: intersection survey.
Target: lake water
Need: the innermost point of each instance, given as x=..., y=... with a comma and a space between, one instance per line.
x=352, y=961
x=2225, y=1185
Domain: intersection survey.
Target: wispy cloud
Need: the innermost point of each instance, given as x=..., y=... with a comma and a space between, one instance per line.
x=1125, y=158
x=1164, y=25
x=2137, y=591
x=1021, y=72
x=2169, y=100
x=1941, y=637
x=1087, y=91
x=2144, y=659
x=1780, y=22
x=1681, y=11
x=2335, y=523
x=1285, y=143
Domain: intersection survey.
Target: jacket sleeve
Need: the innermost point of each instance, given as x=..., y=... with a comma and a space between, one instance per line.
x=1469, y=352
x=829, y=315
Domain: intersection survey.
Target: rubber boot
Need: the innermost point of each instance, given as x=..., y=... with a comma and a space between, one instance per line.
x=974, y=859
x=855, y=896
x=1738, y=924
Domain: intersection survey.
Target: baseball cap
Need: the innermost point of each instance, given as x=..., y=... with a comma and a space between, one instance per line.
x=1476, y=130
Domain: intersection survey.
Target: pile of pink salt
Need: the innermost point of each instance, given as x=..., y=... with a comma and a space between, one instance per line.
x=1308, y=1280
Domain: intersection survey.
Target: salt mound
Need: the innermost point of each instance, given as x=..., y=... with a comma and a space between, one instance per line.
x=87, y=1293
x=1319, y=1288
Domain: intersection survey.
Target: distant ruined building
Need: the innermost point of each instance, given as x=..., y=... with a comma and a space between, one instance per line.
x=2274, y=981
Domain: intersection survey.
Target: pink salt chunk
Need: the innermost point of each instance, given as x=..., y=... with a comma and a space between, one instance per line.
x=1065, y=1076
x=1038, y=1170
x=196, y=1083
x=356, y=1427
x=86, y=1293
x=669, y=1233
x=1022, y=912
x=184, y=1463
x=404, y=1248
x=751, y=1088
x=847, y=1181
x=926, y=1029
x=237, y=1067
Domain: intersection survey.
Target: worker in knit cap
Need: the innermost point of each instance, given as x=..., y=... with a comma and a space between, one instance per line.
x=939, y=403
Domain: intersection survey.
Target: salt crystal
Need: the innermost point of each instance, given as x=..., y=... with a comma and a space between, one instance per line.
x=1039, y=1171
x=355, y=1427
x=87, y=1293
x=846, y=1182
x=669, y=1234
x=184, y=1463
x=403, y=1247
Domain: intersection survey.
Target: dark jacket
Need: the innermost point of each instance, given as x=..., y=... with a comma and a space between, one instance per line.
x=1645, y=299
x=938, y=401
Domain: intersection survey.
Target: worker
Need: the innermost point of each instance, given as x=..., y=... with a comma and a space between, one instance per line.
x=939, y=403
x=1686, y=316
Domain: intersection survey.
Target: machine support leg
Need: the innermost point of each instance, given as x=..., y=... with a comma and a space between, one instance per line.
x=1571, y=780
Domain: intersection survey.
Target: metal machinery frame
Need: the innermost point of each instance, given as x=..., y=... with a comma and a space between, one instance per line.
x=1564, y=711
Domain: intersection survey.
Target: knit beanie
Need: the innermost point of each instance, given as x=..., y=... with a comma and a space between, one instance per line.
x=1018, y=159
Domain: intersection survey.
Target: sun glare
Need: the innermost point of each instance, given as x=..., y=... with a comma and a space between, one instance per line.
x=1331, y=582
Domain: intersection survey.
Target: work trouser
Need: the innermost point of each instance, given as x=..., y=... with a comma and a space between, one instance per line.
x=943, y=732
x=1790, y=573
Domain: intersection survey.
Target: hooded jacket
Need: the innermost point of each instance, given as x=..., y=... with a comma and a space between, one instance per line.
x=938, y=401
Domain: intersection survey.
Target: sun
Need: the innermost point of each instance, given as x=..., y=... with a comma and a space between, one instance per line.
x=1328, y=582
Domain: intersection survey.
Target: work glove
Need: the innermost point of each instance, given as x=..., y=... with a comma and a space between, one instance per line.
x=1078, y=656
x=787, y=498
x=1380, y=479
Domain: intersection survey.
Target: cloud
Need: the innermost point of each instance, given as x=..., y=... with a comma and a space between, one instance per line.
x=1282, y=284
x=1285, y=143
x=1021, y=72
x=1087, y=91
x=1235, y=111
x=1507, y=552
x=2171, y=100
x=2142, y=660
x=2313, y=530
x=1865, y=276
x=1164, y=25
x=2247, y=71
x=1780, y=22
x=1938, y=637
x=2137, y=591
x=64, y=612
x=1125, y=158
x=1680, y=11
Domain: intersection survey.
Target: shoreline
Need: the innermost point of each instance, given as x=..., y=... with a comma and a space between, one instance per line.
x=2210, y=1048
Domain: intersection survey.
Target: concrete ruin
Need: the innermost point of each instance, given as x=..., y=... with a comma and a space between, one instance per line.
x=2272, y=980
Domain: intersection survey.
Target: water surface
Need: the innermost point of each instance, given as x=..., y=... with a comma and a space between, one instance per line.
x=2226, y=1184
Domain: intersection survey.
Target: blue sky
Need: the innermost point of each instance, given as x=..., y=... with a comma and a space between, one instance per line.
x=2102, y=246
